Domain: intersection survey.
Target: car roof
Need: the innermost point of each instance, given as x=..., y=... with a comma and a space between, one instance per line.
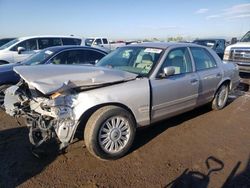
x=163, y=45
x=68, y=47
x=48, y=36
x=208, y=39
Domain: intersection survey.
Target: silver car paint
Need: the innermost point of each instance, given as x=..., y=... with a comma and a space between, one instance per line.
x=134, y=95
x=166, y=97
x=56, y=78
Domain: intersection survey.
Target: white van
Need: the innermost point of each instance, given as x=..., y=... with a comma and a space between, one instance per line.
x=20, y=48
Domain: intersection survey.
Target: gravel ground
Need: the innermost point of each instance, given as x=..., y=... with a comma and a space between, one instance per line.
x=201, y=148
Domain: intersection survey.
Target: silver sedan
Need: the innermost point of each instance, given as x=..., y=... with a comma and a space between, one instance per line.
x=133, y=86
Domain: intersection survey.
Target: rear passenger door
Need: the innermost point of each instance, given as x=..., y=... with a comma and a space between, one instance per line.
x=30, y=46
x=209, y=73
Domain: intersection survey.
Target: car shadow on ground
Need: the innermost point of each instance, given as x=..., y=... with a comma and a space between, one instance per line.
x=145, y=135
x=236, y=179
x=17, y=164
x=196, y=179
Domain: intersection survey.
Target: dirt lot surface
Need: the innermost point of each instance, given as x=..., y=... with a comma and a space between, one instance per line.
x=201, y=148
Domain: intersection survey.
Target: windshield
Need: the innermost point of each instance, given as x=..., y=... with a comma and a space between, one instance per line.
x=5, y=41
x=9, y=44
x=208, y=43
x=88, y=42
x=246, y=37
x=138, y=60
x=39, y=57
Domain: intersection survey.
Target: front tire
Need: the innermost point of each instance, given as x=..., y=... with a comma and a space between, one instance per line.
x=110, y=132
x=220, y=98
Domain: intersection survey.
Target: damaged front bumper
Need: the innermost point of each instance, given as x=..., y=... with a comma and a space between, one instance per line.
x=46, y=117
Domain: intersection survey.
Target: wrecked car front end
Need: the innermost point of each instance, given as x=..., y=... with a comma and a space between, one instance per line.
x=46, y=116
x=48, y=103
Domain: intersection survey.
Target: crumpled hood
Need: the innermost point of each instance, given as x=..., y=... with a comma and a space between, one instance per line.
x=52, y=78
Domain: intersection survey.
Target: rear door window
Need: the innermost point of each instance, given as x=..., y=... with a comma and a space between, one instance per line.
x=71, y=41
x=48, y=42
x=98, y=42
x=105, y=41
x=92, y=56
x=202, y=58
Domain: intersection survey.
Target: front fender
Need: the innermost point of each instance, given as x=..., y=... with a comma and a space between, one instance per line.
x=135, y=95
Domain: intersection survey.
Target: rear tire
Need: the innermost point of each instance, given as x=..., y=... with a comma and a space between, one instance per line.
x=220, y=97
x=110, y=132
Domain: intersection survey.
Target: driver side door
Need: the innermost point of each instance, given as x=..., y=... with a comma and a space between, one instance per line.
x=177, y=93
x=30, y=47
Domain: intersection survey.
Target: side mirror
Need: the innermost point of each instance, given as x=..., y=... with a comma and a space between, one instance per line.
x=20, y=49
x=168, y=71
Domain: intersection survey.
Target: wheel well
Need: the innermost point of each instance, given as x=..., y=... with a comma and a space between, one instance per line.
x=228, y=82
x=86, y=115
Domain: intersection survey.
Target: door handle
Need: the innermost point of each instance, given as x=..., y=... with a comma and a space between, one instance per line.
x=218, y=75
x=193, y=81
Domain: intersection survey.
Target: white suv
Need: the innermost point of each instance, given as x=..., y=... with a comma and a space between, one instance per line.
x=20, y=48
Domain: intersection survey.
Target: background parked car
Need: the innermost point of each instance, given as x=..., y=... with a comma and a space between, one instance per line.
x=21, y=48
x=239, y=53
x=218, y=45
x=5, y=40
x=103, y=43
x=68, y=55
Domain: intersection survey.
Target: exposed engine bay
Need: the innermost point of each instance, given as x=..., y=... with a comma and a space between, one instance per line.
x=46, y=116
x=52, y=102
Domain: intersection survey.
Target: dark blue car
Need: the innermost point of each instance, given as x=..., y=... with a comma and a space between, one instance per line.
x=54, y=55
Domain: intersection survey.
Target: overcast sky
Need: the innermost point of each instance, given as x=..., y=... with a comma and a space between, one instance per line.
x=127, y=19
